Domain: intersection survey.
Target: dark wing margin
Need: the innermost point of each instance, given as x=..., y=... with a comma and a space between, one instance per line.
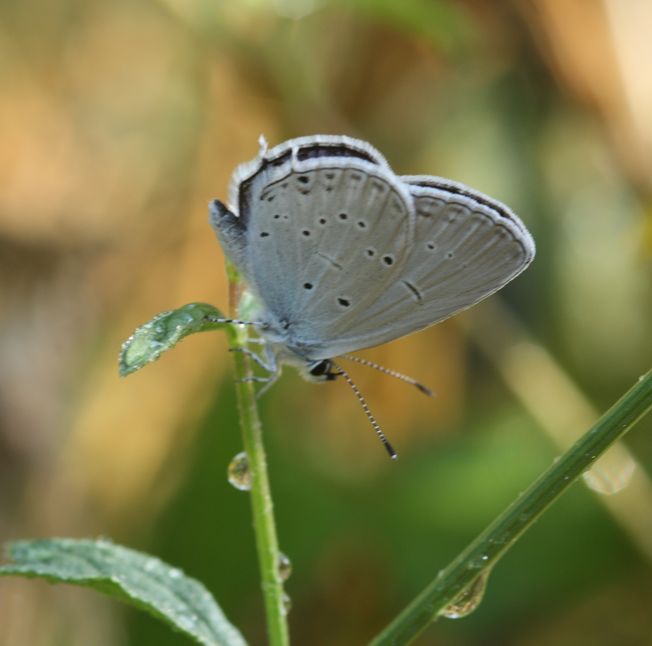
x=313, y=151
x=500, y=210
x=289, y=153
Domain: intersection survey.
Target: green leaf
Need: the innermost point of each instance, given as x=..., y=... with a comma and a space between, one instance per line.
x=139, y=579
x=163, y=332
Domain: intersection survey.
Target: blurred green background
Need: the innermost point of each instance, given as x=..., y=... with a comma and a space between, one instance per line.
x=120, y=120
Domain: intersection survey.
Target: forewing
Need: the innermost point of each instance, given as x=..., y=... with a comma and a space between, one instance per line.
x=326, y=227
x=255, y=185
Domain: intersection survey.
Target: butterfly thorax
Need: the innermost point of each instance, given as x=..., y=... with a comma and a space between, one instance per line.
x=286, y=338
x=280, y=352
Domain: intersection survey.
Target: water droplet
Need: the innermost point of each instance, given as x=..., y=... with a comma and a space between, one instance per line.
x=611, y=476
x=238, y=472
x=175, y=574
x=287, y=603
x=468, y=600
x=284, y=566
x=151, y=565
x=478, y=562
x=187, y=622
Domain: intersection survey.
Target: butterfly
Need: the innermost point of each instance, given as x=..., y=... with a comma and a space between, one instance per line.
x=342, y=254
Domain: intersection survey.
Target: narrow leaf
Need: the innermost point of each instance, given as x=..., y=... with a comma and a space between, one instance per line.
x=139, y=579
x=459, y=579
x=163, y=332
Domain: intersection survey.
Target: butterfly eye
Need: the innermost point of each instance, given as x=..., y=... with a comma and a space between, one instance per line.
x=321, y=368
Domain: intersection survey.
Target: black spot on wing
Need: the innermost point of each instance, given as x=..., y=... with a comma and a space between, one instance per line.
x=330, y=261
x=414, y=290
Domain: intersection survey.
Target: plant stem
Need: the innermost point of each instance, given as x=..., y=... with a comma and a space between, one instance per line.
x=261, y=497
x=483, y=553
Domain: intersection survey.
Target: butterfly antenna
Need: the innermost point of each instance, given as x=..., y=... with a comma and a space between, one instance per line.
x=367, y=412
x=392, y=373
x=215, y=319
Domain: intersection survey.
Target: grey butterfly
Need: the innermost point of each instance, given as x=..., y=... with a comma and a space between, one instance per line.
x=342, y=254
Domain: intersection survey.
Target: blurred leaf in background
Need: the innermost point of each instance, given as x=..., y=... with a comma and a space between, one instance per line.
x=120, y=120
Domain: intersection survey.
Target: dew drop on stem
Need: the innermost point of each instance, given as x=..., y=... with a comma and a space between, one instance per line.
x=287, y=603
x=284, y=567
x=468, y=600
x=238, y=472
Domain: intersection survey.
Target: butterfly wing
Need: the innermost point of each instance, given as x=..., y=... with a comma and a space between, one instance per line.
x=344, y=255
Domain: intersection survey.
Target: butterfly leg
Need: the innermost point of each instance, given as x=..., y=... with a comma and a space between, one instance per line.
x=268, y=366
x=256, y=341
x=273, y=368
x=270, y=381
x=268, y=363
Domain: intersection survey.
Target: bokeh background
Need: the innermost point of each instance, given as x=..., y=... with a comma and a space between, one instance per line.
x=119, y=120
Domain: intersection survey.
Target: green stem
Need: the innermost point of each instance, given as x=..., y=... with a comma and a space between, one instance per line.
x=483, y=553
x=261, y=497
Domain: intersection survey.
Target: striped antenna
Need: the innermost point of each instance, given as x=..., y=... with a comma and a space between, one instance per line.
x=392, y=373
x=215, y=319
x=367, y=412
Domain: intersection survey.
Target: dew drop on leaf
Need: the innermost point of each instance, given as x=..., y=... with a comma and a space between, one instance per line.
x=238, y=472
x=151, y=565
